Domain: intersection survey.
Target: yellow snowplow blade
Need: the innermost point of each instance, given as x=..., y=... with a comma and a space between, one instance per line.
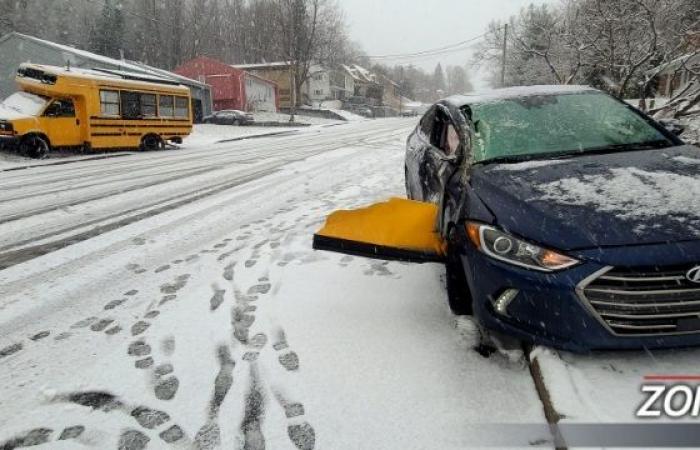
x=398, y=229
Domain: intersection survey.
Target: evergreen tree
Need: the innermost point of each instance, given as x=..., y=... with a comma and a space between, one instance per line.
x=107, y=34
x=439, y=79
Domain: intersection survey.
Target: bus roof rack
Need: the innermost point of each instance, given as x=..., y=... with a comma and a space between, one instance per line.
x=137, y=77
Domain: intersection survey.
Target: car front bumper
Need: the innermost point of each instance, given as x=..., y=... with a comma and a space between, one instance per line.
x=551, y=309
x=8, y=140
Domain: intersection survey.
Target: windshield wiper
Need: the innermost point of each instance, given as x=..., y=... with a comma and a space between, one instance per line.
x=612, y=148
x=648, y=145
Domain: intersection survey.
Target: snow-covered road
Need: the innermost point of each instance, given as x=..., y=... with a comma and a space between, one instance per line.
x=172, y=300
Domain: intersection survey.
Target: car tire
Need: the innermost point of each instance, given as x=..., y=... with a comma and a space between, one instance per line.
x=151, y=142
x=458, y=294
x=236, y=123
x=34, y=146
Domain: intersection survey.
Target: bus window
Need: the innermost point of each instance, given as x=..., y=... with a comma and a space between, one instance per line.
x=166, y=106
x=148, y=105
x=60, y=108
x=109, y=103
x=182, y=107
x=131, y=106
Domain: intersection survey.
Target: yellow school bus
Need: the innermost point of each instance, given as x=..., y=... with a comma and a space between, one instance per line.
x=96, y=109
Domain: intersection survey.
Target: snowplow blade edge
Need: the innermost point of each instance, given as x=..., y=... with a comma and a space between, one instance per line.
x=398, y=229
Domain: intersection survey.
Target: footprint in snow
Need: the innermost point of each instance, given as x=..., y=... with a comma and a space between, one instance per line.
x=300, y=432
x=287, y=358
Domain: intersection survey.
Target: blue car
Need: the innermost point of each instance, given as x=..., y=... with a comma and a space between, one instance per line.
x=564, y=217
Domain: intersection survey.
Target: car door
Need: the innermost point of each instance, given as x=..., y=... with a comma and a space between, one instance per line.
x=62, y=124
x=440, y=156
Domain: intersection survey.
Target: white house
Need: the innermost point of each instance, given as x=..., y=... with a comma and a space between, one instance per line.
x=259, y=94
x=328, y=87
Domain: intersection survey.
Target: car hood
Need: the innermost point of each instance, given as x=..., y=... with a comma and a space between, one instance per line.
x=624, y=198
x=10, y=114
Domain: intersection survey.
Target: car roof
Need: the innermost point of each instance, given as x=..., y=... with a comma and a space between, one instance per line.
x=509, y=93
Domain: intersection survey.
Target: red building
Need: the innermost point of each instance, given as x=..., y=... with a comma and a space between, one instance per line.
x=232, y=88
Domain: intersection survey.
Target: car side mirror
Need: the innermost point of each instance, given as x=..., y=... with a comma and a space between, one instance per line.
x=673, y=125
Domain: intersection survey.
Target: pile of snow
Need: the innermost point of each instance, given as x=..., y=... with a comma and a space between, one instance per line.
x=347, y=115
x=208, y=134
x=299, y=118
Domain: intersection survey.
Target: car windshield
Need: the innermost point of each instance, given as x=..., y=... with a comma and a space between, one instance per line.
x=541, y=126
x=25, y=103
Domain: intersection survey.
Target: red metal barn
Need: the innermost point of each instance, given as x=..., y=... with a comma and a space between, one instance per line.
x=232, y=88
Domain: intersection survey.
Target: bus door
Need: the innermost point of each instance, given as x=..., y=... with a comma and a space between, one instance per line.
x=62, y=125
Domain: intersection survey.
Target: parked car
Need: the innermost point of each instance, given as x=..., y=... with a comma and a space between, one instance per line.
x=564, y=217
x=230, y=117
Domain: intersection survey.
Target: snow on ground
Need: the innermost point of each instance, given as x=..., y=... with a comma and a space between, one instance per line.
x=299, y=118
x=215, y=325
x=605, y=387
x=207, y=134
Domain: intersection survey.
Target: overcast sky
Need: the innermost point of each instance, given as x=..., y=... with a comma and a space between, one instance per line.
x=405, y=26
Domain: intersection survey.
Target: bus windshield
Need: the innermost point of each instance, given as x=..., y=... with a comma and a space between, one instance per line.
x=25, y=103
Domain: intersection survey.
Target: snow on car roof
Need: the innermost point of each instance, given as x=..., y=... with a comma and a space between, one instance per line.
x=495, y=95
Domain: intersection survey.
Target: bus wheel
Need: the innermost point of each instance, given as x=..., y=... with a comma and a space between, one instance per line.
x=151, y=142
x=34, y=146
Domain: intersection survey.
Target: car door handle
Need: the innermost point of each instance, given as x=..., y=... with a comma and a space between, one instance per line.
x=77, y=121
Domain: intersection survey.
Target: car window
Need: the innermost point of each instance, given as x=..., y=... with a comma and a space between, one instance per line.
x=556, y=123
x=60, y=108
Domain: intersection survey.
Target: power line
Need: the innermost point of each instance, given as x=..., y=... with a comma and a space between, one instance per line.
x=451, y=48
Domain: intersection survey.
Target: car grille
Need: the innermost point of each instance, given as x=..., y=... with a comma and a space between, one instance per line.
x=645, y=301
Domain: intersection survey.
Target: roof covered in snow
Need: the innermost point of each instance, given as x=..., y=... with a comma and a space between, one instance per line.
x=124, y=65
x=266, y=65
x=509, y=93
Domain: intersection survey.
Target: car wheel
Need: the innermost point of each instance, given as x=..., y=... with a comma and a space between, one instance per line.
x=150, y=142
x=458, y=293
x=35, y=147
x=236, y=123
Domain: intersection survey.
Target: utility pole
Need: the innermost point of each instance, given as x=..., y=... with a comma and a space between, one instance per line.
x=503, y=63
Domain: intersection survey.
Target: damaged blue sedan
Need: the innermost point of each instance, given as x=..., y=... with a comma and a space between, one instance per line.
x=564, y=217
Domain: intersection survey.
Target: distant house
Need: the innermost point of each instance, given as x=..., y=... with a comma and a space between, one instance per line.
x=278, y=72
x=377, y=91
x=17, y=48
x=675, y=75
x=328, y=85
x=232, y=88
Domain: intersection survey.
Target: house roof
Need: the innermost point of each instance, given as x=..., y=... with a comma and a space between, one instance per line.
x=267, y=65
x=689, y=59
x=359, y=73
x=124, y=65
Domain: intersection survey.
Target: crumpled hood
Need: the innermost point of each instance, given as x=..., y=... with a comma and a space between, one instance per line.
x=625, y=198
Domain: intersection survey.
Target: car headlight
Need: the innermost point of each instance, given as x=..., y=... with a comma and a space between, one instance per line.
x=507, y=248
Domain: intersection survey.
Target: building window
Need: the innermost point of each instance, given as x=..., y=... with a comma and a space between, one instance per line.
x=318, y=92
x=166, y=106
x=182, y=107
x=318, y=77
x=148, y=105
x=109, y=103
